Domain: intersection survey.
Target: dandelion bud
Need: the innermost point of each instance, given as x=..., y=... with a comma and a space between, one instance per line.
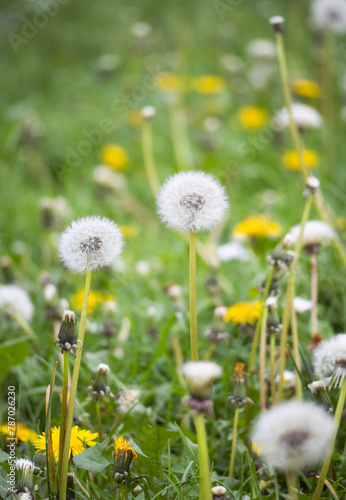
x=67, y=337
x=99, y=387
x=277, y=22
x=239, y=398
x=70, y=487
x=123, y=455
x=40, y=461
x=25, y=475
x=318, y=389
x=200, y=376
x=219, y=493
x=273, y=322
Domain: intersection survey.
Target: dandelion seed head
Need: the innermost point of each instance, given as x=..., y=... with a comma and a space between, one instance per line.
x=126, y=399
x=192, y=201
x=14, y=300
x=315, y=232
x=305, y=117
x=293, y=435
x=301, y=305
x=330, y=14
x=329, y=360
x=261, y=49
x=90, y=243
x=200, y=376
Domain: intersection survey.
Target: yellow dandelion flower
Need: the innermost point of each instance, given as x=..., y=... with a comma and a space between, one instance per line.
x=208, y=84
x=135, y=118
x=129, y=231
x=95, y=298
x=23, y=434
x=252, y=118
x=258, y=226
x=115, y=157
x=291, y=159
x=122, y=446
x=80, y=439
x=244, y=312
x=306, y=88
x=168, y=82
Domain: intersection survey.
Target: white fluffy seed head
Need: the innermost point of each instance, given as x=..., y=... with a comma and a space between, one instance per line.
x=192, y=201
x=304, y=116
x=200, y=376
x=329, y=14
x=329, y=360
x=105, y=177
x=276, y=20
x=218, y=491
x=90, y=243
x=301, y=305
x=103, y=368
x=315, y=232
x=272, y=302
x=261, y=49
x=23, y=463
x=126, y=399
x=14, y=300
x=293, y=435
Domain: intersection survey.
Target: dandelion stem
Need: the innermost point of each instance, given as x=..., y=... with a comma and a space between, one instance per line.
x=178, y=357
x=180, y=137
x=193, y=305
x=69, y=422
x=262, y=367
x=296, y=353
x=63, y=409
x=209, y=352
x=259, y=322
x=292, y=485
x=272, y=368
x=204, y=479
x=289, y=299
x=234, y=441
x=28, y=330
x=328, y=457
x=327, y=98
x=314, y=294
x=149, y=162
x=99, y=421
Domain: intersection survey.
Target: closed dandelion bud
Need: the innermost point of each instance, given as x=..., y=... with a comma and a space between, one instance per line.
x=273, y=322
x=39, y=460
x=319, y=390
x=70, y=487
x=311, y=186
x=200, y=376
x=219, y=493
x=67, y=337
x=123, y=455
x=25, y=475
x=239, y=391
x=99, y=387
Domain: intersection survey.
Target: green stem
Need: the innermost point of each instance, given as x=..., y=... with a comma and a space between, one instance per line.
x=193, y=300
x=74, y=383
x=314, y=294
x=204, y=474
x=292, y=485
x=328, y=457
x=28, y=330
x=178, y=357
x=234, y=441
x=259, y=322
x=262, y=367
x=180, y=136
x=99, y=421
x=296, y=353
x=289, y=300
x=272, y=368
x=63, y=409
x=149, y=162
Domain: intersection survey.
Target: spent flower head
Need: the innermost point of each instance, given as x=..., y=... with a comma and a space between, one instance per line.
x=90, y=243
x=15, y=301
x=315, y=234
x=293, y=435
x=329, y=360
x=192, y=201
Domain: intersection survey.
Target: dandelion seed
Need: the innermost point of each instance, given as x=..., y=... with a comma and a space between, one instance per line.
x=293, y=435
x=329, y=360
x=192, y=201
x=15, y=301
x=90, y=243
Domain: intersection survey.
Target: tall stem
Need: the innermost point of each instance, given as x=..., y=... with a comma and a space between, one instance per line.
x=292, y=485
x=178, y=357
x=28, y=330
x=193, y=299
x=180, y=136
x=272, y=368
x=63, y=409
x=204, y=474
x=234, y=441
x=296, y=353
x=289, y=300
x=262, y=367
x=74, y=383
x=328, y=457
x=99, y=421
x=149, y=162
x=260, y=320
x=314, y=294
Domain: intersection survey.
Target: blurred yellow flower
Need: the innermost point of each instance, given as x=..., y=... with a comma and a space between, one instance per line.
x=244, y=312
x=77, y=300
x=255, y=448
x=168, y=82
x=306, y=88
x=129, y=231
x=258, y=226
x=252, y=118
x=80, y=439
x=114, y=156
x=135, y=118
x=340, y=223
x=208, y=84
x=291, y=159
x=24, y=434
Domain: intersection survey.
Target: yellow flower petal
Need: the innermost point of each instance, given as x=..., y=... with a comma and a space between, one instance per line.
x=244, y=312
x=114, y=156
x=258, y=226
x=253, y=118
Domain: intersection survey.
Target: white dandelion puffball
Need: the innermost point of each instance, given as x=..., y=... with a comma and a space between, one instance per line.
x=261, y=49
x=301, y=305
x=330, y=14
x=23, y=463
x=293, y=435
x=329, y=360
x=316, y=232
x=14, y=300
x=303, y=115
x=127, y=398
x=200, y=376
x=192, y=201
x=233, y=250
x=90, y=243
